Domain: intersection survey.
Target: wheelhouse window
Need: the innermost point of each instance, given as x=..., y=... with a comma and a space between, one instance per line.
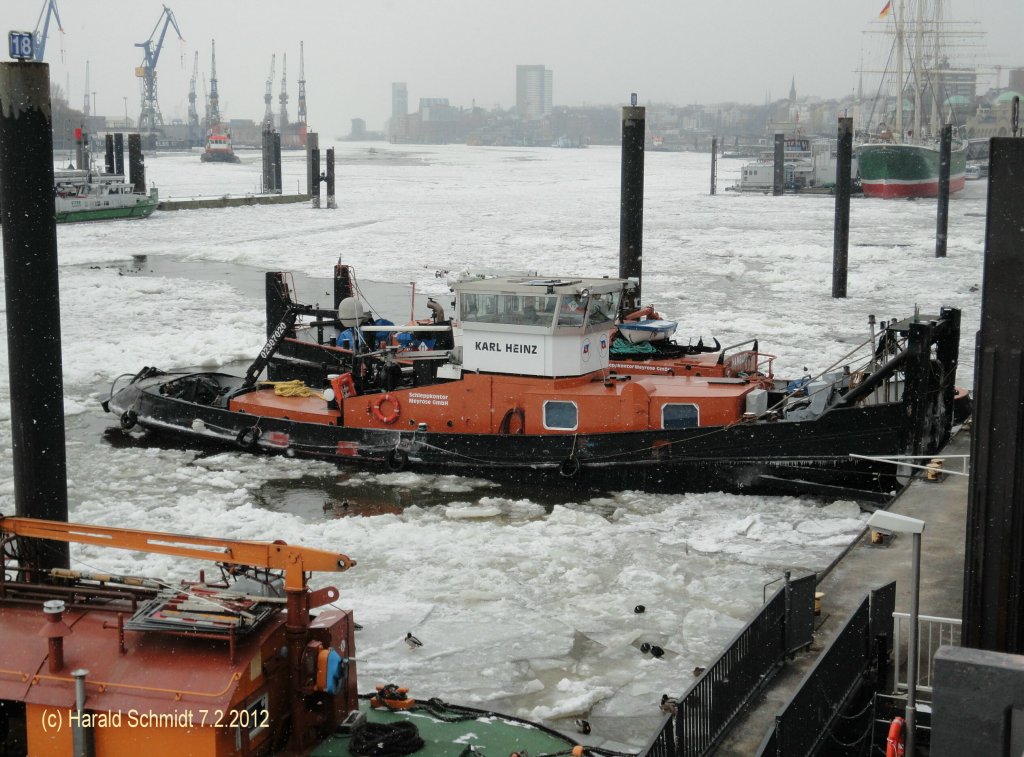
x=676, y=415
x=561, y=415
x=512, y=309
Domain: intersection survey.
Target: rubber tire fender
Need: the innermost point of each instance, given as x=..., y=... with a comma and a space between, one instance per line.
x=128, y=419
x=248, y=437
x=397, y=460
x=569, y=468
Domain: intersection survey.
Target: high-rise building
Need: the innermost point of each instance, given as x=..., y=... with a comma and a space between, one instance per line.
x=533, y=92
x=399, y=106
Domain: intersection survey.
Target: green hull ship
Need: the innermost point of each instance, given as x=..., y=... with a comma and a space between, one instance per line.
x=891, y=170
x=84, y=196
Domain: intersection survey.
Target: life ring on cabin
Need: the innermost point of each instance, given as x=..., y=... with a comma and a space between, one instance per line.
x=569, y=468
x=396, y=460
x=894, y=741
x=516, y=414
x=248, y=437
x=396, y=409
x=128, y=419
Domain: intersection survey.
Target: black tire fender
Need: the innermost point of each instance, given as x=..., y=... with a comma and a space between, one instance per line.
x=397, y=460
x=569, y=468
x=248, y=437
x=128, y=419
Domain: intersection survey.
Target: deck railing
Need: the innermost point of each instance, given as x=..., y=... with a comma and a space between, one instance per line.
x=932, y=632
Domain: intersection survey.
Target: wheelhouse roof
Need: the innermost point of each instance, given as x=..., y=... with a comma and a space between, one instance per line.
x=538, y=285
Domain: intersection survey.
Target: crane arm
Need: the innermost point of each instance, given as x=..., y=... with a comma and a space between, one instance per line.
x=294, y=561
x=49, y=9
x=167, y=18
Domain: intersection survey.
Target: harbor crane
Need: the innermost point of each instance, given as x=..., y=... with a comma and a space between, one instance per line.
x=268, y=96
x=213, y=113
x=302, y=84
x=284, y=93
x=150, y=118
x=194, y=133
x=49, y=10
x=85, y=110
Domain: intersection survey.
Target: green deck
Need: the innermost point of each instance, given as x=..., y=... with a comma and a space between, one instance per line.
x=492, y=734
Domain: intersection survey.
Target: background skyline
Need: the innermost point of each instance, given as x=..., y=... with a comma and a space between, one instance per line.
x=467, y=51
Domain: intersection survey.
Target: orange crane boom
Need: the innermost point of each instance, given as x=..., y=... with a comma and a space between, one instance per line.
x=294, y=561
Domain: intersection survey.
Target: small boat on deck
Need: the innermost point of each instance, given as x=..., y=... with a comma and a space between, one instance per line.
x=521, y=381
x=648, y=330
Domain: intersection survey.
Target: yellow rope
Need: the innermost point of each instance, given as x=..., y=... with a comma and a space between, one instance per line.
x=293, y=388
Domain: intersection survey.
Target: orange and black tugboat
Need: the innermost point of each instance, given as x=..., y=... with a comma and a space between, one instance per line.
x=523, y=380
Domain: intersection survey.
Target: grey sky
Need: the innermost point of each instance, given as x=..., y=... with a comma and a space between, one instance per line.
x=467, y=50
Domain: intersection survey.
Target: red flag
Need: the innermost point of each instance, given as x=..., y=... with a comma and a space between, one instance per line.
x=886, y=10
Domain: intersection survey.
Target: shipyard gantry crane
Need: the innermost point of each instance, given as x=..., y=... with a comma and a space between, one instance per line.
x=150, y=117
x=268, y=96
x=49, y=9
x=213, y=112
x=302, y=84
x=284, y=93
x=194, y=133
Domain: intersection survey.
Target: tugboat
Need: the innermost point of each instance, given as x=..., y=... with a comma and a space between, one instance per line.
x=521, y=382
x=218, y=148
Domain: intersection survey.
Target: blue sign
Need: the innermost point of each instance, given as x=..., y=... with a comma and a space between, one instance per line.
x=21, y=45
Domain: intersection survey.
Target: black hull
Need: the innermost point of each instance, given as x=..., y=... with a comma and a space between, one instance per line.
x=808, y=456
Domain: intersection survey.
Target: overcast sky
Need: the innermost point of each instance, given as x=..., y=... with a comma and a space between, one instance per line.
x=466, y=50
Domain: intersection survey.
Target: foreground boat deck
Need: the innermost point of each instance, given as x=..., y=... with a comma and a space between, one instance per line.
x=490, y=734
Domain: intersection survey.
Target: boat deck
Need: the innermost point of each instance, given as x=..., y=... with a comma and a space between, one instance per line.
x=488, y=734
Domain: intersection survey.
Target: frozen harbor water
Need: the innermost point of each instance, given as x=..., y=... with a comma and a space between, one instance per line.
x=522, y=604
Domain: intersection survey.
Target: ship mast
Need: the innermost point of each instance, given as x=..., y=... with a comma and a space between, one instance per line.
x=898, y=21
x=915, y=62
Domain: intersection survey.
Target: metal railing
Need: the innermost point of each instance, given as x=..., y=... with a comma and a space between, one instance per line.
x=706, y=711
x=804, y=726
x=932, y=632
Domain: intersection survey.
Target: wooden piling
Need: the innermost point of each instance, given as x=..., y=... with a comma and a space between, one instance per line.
x=942, y=212
x=841, y=234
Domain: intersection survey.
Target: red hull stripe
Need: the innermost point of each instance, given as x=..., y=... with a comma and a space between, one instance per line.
x=892, y=189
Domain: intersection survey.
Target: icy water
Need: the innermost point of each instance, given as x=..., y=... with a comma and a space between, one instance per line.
x=523, y=603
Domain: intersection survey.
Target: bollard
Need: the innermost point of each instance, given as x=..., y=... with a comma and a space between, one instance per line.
x=779, y=176
x=33, y=303
x=108, y=162
x=331, y=202
x=119, y=154
x=942, y=212
x=136, y=163
x=841, y=234
x=631, y=203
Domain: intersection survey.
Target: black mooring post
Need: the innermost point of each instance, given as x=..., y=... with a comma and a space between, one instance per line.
x=994, y=561
x=108, y=163
x=268, y=171
x=33, y=302
x=136, y=163
x=631, y=203
x=714, y=163
x=942, y=214
x=841, y=236
x=315, y=164
x=119, y=154
x=276, y=146
x=312, y=177
x=331, y=202
x=779, y=177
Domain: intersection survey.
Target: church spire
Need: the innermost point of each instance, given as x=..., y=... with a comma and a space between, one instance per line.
x=792, y=90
